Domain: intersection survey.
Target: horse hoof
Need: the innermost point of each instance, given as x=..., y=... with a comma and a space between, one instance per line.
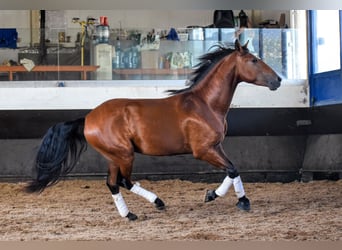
x=210, y=195
x=159, y=204
x=243, y=204
x=131, y=216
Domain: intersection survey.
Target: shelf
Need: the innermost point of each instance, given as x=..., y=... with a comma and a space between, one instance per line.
x=50, y=68
x=152, y=71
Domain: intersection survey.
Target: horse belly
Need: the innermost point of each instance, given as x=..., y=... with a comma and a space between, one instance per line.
x=157, y=140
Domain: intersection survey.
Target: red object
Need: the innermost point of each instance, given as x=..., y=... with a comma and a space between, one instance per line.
x=103, y=20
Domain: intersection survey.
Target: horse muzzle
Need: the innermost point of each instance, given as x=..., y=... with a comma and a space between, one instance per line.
x=275, y=84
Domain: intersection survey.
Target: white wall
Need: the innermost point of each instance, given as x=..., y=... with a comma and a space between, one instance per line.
x=146, y=18
x=14, y=18
x=23, y=95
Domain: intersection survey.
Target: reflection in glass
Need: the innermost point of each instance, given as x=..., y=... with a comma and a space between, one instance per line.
x=327, y=40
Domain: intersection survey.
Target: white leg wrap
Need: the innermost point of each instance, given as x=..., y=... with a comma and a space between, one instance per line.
x=222, y=190
x=151, y=197
x=238, y=186
x=120, y=204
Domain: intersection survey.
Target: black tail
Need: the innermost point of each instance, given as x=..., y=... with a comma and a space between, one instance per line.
x=59, y=152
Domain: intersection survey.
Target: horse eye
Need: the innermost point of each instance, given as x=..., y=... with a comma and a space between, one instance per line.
x=255, y=60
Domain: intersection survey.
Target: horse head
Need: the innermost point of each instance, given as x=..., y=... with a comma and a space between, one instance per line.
x=253, y=70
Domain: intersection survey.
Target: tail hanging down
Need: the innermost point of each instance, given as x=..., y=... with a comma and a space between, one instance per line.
x=59, y=152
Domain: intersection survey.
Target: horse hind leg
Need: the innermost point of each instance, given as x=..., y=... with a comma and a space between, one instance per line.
x=137, y=189
x=120, y=202
x=148, y=195
x=121, y=177
x=116, y=194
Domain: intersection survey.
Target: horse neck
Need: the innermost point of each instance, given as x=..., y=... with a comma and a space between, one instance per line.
x=218, y=87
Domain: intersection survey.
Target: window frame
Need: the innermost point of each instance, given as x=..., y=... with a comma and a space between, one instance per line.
x=325, y=87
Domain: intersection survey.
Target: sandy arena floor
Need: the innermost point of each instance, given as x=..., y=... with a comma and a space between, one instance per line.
x=84, y=210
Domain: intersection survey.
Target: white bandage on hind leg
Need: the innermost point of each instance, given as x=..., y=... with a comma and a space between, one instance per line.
x=222, y=190
x=120, y=204
x=238, y=186
x=151, y=197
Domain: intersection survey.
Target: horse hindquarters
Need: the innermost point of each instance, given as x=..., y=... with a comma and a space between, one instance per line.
x=118, y=149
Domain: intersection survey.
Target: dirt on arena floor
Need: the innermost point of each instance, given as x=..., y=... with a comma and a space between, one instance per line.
x=84, y=210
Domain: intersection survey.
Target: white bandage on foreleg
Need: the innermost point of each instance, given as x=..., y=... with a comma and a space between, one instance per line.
x=151, y=197
x=222, y=190
x=238, y=186
x=120, y=204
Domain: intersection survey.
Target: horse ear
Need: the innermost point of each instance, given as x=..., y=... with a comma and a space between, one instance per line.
x=245, y=47
x=241, y=48
x=237, y=45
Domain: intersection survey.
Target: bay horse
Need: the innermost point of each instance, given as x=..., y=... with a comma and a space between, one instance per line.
x=188, y=121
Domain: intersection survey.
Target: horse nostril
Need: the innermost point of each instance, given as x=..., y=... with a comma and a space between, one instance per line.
x=279, y=79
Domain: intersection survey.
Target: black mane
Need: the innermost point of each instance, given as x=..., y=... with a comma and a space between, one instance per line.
x=207, y=61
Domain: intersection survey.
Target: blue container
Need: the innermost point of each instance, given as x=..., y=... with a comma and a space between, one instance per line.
x=8, y=38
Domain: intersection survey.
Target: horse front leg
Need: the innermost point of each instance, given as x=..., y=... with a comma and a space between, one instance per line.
x=217, y=157
x=243, y=202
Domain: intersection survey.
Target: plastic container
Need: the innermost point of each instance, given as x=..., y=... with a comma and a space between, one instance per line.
x=8, y=38
x=196, y=34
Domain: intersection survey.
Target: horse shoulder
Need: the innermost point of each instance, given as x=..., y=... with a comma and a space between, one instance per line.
x=201, y=122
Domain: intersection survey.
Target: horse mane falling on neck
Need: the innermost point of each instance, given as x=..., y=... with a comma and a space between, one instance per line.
x=207, y=63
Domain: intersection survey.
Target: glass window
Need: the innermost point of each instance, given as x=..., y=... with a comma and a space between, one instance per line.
x=327, y=41
x=76, y=46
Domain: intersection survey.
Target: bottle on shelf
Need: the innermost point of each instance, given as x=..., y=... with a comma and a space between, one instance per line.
x=118, y=62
